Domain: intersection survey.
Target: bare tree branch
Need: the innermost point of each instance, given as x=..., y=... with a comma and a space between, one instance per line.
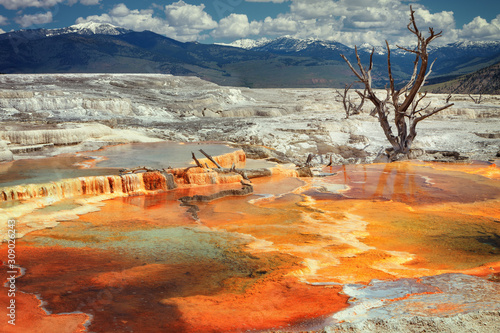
x=407, y=113
x=476, y=100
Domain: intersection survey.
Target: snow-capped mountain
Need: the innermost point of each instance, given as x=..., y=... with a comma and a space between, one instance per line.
x=292, y=45
x=380, y=50
x=246, y=43
x=320, y=48
x=89, y=28
x=86, y=29
x=468, y=48
x=476, y=44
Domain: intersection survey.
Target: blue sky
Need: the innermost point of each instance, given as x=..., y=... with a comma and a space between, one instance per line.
x=347, y=21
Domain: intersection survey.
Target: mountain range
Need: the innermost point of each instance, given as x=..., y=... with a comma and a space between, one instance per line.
x=282, y=62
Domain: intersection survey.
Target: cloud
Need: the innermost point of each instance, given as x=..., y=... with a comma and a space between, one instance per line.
x=90, y=2
x=84, y=2
x=182, y=21
x=188, y=19
x=20, y=4
x=302, y=9
x=236, y=26
x=283, y=24
x=36, y=19
x=17, y=4
x=138, y=20
x=442, y=21
x=354, y=22
x=4, y=20
x=120, y=10
x=480, y=29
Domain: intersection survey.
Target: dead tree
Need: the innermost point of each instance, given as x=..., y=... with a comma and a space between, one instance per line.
x=210, y=159
x=198, y=164
x=350, y=107
x=405, y=102
x=476, y=100
x=448, y=97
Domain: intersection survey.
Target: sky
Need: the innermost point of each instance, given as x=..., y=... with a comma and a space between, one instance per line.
x=351, y=22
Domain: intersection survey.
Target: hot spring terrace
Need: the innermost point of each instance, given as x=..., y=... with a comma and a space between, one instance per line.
x=368, y=242
x=400, y=247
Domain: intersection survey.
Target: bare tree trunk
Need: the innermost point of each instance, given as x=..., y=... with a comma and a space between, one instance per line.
x=407, y=112
x=350, y=107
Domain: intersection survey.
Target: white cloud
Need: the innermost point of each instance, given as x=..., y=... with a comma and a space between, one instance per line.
x=442, y=21
x=19, y=4
x=302, y=9
x=36, y=19
x=3, y=20
x=138, y=20
x=480, y=29
x=2, y=31
x=354, y=22
x=90, y=2
x=236, y=26
x=281, y=25
x=84, y=2
x=120, y=10
x=188, y=20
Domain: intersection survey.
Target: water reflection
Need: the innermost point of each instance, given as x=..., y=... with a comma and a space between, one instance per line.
x=415, y=182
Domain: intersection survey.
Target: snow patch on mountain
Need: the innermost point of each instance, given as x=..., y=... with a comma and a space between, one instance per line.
x=292, y=44
x=289, y=44
x=247, y=43
x=469, y=44
x=88, y=28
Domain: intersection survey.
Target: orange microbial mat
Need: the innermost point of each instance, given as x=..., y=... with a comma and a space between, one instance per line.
x=368, y=241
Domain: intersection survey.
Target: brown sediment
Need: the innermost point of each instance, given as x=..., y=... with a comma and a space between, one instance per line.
x=154, y=181
x=29, y=315
x=245, y=190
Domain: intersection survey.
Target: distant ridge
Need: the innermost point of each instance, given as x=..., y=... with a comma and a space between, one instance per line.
x=484, y=81
x=95, y=47
x=298, y=46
